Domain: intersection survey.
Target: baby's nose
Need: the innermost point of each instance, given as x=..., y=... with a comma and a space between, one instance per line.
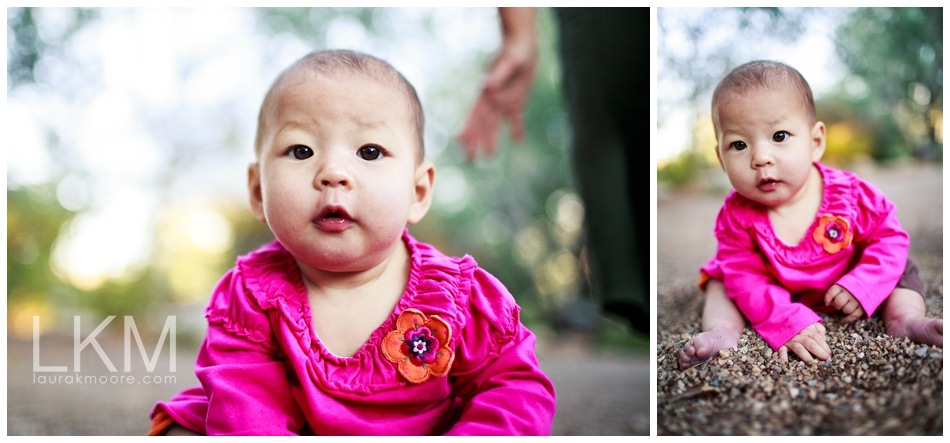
x=333, y=175
x=762, y=157
x=329, y=183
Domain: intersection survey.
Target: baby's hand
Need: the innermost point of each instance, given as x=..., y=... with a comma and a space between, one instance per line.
x=810, y=341
x=842, y=300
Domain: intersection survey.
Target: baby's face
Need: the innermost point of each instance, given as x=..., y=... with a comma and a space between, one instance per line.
x=767, y=145
x=338, y=178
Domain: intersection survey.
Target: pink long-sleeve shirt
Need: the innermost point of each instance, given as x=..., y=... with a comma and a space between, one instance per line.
x=263, y=371
x=778, y=286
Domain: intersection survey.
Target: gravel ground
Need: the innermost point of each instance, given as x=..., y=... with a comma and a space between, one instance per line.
x=875, y=384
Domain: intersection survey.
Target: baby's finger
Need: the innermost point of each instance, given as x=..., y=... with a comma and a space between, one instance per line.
x=820, y=349
x=783, y=353
x=853, y=311
x=831, y=294
x=840, y=301
x=801, y=351
x=817, y=344
x=814, y=331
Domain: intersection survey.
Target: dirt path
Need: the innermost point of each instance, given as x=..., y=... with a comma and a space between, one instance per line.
x=877, y=384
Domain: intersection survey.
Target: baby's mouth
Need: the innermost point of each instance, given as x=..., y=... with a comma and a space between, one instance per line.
x=768, y=184
x=333, y=218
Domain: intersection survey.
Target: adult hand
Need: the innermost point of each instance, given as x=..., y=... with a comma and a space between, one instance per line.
x=506, y=86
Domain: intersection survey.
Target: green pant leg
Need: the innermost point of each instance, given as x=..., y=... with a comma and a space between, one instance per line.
x=605, y=59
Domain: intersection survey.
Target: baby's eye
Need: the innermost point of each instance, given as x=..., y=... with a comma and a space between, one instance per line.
x=738, y=146
x=779, y=136
x=370, y=152
x=300, y=152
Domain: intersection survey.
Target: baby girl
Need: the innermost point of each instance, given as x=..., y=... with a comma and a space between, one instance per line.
x=796, y=236
x=345, y=324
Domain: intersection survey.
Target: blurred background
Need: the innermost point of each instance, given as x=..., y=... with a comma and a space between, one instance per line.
x=131, y=130
x=128, y=134
x=876, y=75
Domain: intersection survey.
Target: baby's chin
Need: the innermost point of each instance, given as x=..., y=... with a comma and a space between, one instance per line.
x=339, y=263
x=770, y=200
x=347, y=261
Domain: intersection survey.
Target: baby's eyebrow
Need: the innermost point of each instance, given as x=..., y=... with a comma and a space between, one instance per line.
x=364, y=123
x=776, y=121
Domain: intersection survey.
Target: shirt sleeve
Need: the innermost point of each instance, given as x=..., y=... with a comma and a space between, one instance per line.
x=497, y=376
x=883, y=247
x=244, y=385
x=188, y=409
x=747, y=280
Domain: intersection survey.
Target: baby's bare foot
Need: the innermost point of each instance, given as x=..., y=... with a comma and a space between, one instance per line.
x=919, y=329
x=704, y=345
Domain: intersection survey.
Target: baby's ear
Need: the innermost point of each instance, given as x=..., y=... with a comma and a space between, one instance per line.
x=818, y=141
x=254, y=191
x=422, y=197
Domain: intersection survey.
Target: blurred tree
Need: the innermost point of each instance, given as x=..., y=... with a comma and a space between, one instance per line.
x=698, y=47
x=896, y=58
x=29, y=44
x=34, y=219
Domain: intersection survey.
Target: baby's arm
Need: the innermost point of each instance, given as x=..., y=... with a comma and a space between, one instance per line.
x=244, y=387
x=247, y=386
x=842, y=300
x=496, y=372
x=884, y=245
x=767, y=305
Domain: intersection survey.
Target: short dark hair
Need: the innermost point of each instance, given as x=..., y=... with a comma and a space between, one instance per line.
x=335, y=61
x=763, y=74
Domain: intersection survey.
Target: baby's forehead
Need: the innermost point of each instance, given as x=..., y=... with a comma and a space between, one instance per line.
x=736, y=97
x=756, y=91
x=286, y=90
x=302, y=76
x=290, y=86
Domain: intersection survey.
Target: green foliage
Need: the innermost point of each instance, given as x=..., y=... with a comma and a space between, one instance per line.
x=682, y=169
x=34, y=221
x=895, y=56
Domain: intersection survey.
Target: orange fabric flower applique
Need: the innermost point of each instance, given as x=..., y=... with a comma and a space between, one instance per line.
x=419, y=346
x=833, y=232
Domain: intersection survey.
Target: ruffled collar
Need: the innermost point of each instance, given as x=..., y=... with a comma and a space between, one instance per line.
x=836, y=200
x=274, y=282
